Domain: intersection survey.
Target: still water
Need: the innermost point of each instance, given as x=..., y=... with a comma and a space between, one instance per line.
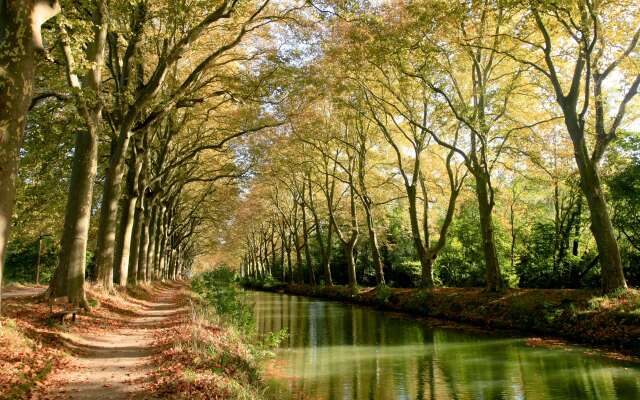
x=337, y=351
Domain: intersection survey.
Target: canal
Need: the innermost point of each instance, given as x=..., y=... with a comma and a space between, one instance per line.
x=347, y=352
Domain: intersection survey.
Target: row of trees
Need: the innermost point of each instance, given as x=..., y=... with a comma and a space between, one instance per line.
x=429, y=105
x=157, y=96
x=471, y=139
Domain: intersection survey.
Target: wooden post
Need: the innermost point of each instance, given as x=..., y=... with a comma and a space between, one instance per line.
x=38, y=260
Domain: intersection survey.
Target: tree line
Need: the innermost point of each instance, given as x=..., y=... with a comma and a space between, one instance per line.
x=433, y=143
x=510, y=120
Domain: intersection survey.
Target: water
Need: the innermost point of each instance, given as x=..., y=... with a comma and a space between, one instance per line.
x=337, y=351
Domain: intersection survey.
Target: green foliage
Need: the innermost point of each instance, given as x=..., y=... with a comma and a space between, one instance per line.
x=226, y=301
x=219, y=289
x=461, y=261
x=383, y=294
x=45, y=165
x=399, y=247
x=406, y=273
x=624, y=188
x=540, y=266
x=22, y=260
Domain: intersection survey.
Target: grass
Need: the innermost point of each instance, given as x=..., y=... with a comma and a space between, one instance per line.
x=206, y=357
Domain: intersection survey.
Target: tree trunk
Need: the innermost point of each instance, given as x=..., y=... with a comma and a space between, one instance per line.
x=273, y=250
x=171, y=264
x=426, y=265
x=162, y=248
x=494, y=280
x=68, y=279
x=136, y=237
x=129, y=214
x=17, y=69
x=307, y=250
x=108, y=212
x=149, y=262
x=612, y=275
x=576, y=234
x=289, y=266
x=375, y=248
x=121, y=265
x=325, y=248
x=351, y=262
x=296, y=243
x=144, y=218
x=70, y=275
x=158, y=243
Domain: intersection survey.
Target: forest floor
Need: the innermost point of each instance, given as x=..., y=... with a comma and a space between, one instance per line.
x=610, y=322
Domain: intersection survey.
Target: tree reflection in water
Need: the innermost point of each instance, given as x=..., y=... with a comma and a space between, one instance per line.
x=345, y=352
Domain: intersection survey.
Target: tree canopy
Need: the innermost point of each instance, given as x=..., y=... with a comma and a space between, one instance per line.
x=428, y=143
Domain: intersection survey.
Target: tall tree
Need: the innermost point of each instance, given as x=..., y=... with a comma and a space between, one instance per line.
x=585, y=45
x=69, y=277
x=20, y=47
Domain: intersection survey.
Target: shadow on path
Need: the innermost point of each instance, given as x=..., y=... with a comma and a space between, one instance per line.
x=112, y=365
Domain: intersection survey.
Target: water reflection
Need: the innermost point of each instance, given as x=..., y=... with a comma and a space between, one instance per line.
x=337, y=351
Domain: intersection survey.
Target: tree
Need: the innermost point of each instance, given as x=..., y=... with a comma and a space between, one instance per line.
x=129, y=117
x=20, y=47
x=593, y=35
x=478, y=85
x=85, y=85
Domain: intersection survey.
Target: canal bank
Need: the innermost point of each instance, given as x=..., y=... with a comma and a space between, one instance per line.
x=575, y=315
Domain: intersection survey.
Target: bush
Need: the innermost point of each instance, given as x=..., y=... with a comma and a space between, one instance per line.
x=535, y=268
x=383, y=294
x=461, y=261
x=405, y=274
x=219, y=289
x=22, y=260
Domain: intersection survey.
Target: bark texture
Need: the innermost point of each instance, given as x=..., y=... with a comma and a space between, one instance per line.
x=17, y=70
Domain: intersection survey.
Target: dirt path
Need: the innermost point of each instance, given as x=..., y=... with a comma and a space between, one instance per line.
x=113, y=365
x=22, y=291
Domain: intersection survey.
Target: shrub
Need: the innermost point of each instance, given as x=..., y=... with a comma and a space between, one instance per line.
x=219, y=289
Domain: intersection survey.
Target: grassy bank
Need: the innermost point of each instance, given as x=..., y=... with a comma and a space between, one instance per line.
x=213, y=352
x=576, y=315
